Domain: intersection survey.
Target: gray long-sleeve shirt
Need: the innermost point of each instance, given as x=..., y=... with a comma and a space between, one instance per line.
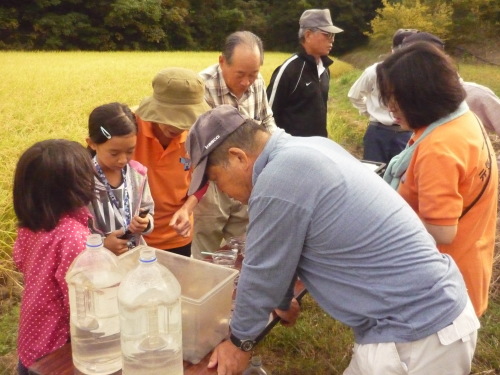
x=360, y=250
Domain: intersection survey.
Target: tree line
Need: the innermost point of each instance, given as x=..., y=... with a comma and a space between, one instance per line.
x=107, y=25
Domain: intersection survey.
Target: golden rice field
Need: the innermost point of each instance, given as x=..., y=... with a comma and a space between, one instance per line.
x=50, y=94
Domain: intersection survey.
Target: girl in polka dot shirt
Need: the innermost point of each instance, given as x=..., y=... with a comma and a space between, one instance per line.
x=53, y=184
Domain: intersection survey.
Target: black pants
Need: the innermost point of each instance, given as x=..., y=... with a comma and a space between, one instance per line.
x=183, y=250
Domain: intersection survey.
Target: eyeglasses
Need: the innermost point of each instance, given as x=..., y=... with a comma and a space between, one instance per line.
x=329, y=36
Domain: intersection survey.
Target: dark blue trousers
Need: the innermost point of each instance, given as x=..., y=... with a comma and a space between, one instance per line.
x=381, y=142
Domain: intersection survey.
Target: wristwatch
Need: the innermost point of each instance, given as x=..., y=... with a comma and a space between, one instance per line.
x=245, y=345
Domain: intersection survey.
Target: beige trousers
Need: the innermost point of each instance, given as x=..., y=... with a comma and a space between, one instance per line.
x=217, y=217
x=447, y=352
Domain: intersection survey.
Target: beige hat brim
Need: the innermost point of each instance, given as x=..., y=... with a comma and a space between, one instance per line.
x=181, y=116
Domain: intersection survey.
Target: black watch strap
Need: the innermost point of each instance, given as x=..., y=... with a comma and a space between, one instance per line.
x=245, y=345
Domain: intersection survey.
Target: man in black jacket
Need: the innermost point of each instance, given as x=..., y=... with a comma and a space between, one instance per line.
x=298, y=92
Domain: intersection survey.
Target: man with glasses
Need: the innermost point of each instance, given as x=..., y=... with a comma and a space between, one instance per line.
x=298, y=92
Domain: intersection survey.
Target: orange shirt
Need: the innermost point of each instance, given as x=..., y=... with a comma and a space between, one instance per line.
x=169, y=176
x=445, y=175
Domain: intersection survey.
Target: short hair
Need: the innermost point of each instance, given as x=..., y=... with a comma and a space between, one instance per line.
x=302, y=33
x=243, y=137
x=423, y=81
x=242, y=38
x=400, y=35
x=108, y=120
x=52, y=178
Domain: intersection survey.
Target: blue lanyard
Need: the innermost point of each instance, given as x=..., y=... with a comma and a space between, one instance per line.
x=111, y=195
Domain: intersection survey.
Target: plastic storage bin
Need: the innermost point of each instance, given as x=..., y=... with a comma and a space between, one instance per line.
x=206, y=293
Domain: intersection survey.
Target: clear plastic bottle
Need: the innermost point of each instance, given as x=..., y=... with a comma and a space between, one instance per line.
x=93, y=279
x=150, y=319
x=255, y=367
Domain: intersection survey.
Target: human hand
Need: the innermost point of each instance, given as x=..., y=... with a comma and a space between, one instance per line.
x=180, y=222
x=113, y=243
x=138, y=224
x=289, y=317
x=229, y=359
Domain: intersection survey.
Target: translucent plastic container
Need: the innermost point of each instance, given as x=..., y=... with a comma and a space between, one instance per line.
x=93, y=279
x=237, y=243
x=150, y=319
x=206, y=293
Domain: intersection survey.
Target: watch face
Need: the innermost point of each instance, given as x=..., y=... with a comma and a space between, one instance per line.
x=247, y=345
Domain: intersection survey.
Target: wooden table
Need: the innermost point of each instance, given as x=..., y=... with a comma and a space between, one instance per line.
x=60, y=362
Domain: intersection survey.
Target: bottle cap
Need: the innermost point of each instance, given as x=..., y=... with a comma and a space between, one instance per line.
x=147, y=256
x=256, y=360
x=94, y=240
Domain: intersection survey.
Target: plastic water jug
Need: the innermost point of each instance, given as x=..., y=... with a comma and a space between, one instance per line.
x=255, y=367
x=93, y=279
x=150, y=319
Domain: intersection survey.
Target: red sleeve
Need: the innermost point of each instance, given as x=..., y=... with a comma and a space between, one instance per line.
x=200, y=193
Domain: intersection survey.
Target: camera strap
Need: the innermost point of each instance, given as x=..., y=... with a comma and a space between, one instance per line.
x=467, y=209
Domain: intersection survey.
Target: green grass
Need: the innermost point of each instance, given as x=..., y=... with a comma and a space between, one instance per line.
x=50, y=94
x=317, y=344
x=487, y=355
x=345, y=125
x=9, y=312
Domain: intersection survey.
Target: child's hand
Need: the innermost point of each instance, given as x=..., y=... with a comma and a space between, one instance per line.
x=115, y=244
x=138, y=224
x=180, y=223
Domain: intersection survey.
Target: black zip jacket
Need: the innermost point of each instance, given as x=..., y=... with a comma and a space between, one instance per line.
x=298, y=97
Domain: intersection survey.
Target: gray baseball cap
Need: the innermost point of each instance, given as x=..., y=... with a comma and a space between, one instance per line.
x=318, y=19
x=208, y=132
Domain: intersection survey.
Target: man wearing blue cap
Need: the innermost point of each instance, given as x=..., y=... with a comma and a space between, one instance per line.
x=298, y=92
x=361, y=251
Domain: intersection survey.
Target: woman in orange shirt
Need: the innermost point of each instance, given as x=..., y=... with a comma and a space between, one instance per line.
x=447, y=172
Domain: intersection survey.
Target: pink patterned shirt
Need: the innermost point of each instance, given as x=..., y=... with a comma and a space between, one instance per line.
x=44, y=258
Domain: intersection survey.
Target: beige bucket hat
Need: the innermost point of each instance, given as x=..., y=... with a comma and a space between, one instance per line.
x=178, y=99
